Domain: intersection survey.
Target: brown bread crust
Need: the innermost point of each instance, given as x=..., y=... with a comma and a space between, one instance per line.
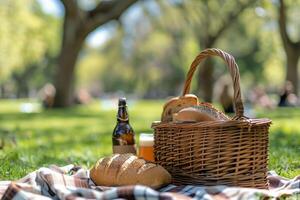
x=202, y=112
x=127, y=169
x=176, y=104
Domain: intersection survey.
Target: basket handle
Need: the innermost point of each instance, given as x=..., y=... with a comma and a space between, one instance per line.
x=234, y=72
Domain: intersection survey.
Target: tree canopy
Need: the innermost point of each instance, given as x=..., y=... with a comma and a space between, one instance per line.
x=150, y=46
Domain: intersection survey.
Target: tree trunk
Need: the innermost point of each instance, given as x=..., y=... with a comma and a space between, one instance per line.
x=72, y=41
x=65, y=73
x=2, y=90
x=77, y=25
x=292, y=48
x=206, y=80
x=292, y=69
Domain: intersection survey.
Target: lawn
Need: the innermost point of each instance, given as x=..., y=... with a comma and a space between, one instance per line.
x=82, y=134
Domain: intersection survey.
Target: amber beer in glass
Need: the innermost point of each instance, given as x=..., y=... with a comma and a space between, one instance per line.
x=146, y=149
x=123, y=134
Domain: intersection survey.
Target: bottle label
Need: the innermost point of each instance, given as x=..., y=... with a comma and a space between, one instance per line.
x=121, y=149
x=123, y=120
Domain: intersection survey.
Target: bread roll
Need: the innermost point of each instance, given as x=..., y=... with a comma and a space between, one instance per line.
x=176, y=104
x=202, y=112
x=127, y=169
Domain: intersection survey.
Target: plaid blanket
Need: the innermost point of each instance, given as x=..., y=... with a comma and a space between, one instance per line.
x=71, y=182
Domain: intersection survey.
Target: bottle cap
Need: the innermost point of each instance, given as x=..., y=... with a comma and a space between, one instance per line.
x=122, y=101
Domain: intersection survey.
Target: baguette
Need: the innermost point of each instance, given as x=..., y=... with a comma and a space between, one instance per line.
x=127, y=169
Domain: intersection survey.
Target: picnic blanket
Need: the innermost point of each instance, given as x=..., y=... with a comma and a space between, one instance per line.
x=72, y=182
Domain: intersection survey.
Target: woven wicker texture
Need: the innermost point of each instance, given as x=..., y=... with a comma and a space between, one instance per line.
x=232, y=152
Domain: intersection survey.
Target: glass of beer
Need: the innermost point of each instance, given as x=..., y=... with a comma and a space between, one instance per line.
x=146, y=149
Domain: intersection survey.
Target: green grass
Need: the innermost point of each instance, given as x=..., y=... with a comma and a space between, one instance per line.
x=82, y=134
x=284, y=151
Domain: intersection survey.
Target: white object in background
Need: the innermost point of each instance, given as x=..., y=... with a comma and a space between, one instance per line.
x=29, y=107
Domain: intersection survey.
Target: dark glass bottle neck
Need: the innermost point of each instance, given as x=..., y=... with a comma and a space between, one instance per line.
x=122, y=115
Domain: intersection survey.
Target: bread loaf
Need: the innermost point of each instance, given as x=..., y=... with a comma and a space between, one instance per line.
x=127, y=169
x=202, y=112
x=176, y=104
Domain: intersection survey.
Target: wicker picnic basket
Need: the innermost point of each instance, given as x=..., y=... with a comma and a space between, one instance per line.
x=232, y=152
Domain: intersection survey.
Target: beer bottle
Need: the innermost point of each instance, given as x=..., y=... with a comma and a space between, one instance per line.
x=123, y=134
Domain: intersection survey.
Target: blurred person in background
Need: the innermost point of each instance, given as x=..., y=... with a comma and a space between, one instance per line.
x=47, y=95
x=287, y=97
x=83, y=97
x=259, y=97
x=226, y=99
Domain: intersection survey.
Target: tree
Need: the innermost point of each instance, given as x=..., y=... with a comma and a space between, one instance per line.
x=292, y=48
x=78, y=23
x=215, y=18
x=159, y=45
x=28, y=40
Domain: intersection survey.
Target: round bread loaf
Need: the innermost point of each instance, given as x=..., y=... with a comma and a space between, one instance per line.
x=128, y=169
x=176, y=104
x=202, y=112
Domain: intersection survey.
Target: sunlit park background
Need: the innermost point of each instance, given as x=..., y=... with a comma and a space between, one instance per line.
x=64, y=63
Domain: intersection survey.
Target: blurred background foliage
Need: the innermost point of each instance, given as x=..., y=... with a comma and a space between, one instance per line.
x=148, y=51
x=29, y=41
